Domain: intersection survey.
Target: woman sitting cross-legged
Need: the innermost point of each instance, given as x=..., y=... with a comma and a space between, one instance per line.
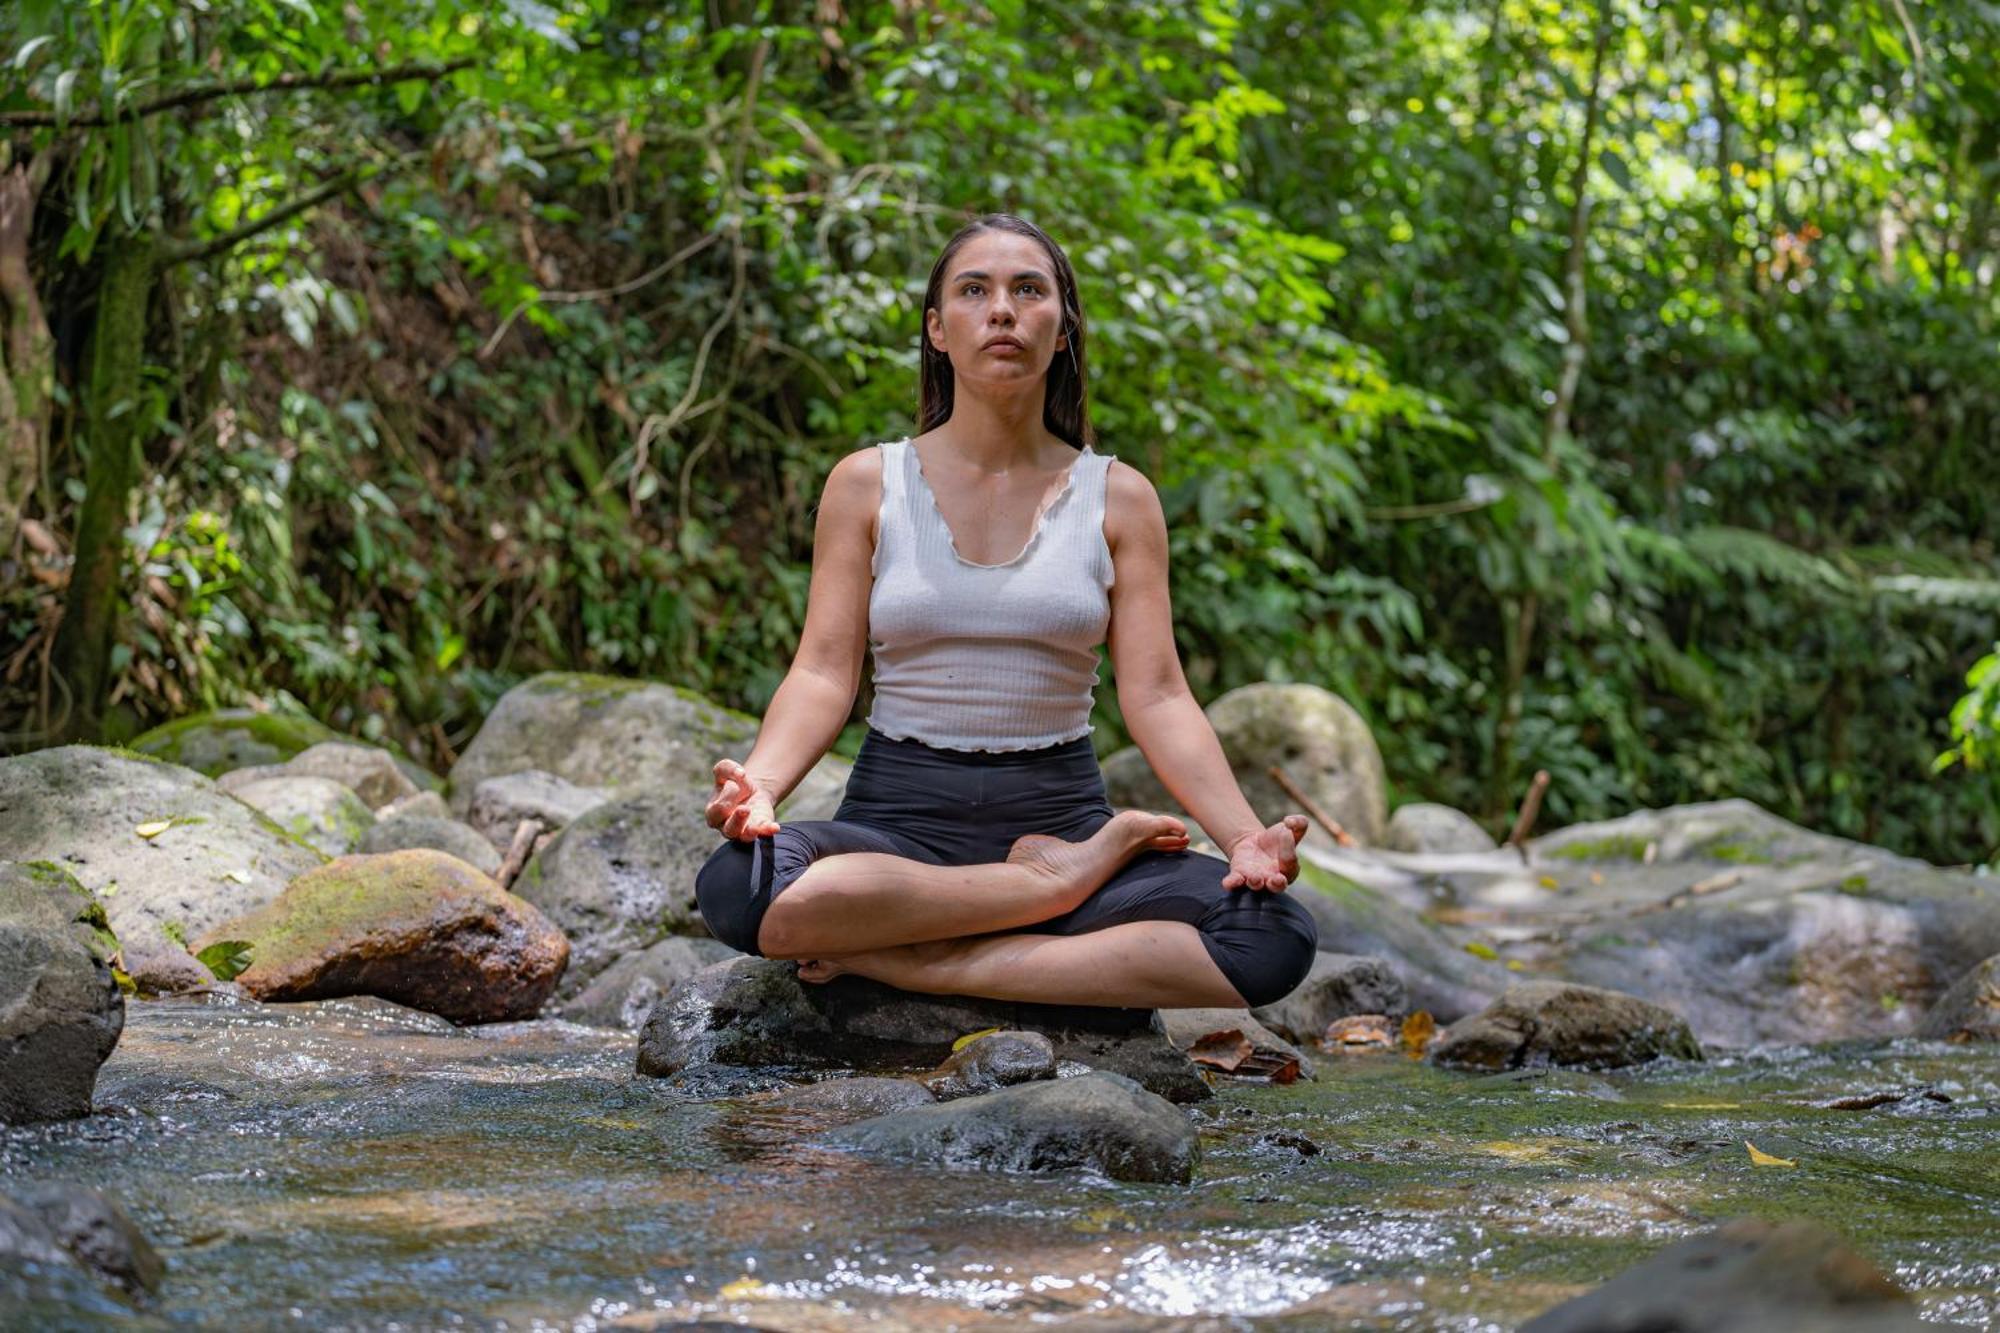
x=984, y=561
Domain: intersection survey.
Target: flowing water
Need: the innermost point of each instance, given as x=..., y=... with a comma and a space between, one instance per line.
x=350, y=1164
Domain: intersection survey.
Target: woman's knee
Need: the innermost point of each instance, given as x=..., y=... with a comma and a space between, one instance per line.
x=1263, y=942
x=732, y=903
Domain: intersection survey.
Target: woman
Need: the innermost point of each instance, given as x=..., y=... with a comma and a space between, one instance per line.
x=983, y=562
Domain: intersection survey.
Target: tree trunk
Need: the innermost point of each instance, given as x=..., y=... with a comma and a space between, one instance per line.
x=27, y=353
x=111, y=436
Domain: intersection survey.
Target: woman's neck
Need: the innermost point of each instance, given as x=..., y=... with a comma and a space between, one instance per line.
x=996, y=433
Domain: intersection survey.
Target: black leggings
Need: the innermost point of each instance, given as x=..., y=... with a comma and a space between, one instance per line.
x=966, y=807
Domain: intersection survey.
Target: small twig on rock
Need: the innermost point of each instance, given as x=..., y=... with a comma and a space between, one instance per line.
x=1531, y=806
x=1728, y=879
x=526, y=843
x=1341, y=836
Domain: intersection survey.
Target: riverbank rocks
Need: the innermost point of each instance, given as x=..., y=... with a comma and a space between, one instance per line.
x=214, y=743
x=1234, y=1042
x=92, y=1230
x=320, y=812
x=440, y=835
x=1750, y=1276
x=1423, y=827
x=420, y=928
x=370, y=773
x=755, y=1012
x=1338, y=985
x=624, y=993
x=621, y=878
x=60, y=1011
x=601, y=731
x=1319, y=741
x=1970, y=1010
x=1556, y=1023
x=501, y=804
x=996, y=1060
x=156, y=843
x=1098, y=1121
x=1354, y=918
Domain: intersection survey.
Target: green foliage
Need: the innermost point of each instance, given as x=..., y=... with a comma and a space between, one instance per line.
x=227, y=959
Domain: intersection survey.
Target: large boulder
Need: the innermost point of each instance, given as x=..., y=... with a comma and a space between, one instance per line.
x=1750, y=1276
x=85, y=807
x=60, y=1010
x=623, y=994
x=440, y=835
x=1338, y=986
x=1758, y=930
x=419, y=927
x=324, y=814
x=1096, y=1121
x=1424, y=827
x=601, y=731
x=756, y=1012
x=231, y=738
x=1970, y=1010
x=621, y=878
x=1556, y=1023
x=1319, y=741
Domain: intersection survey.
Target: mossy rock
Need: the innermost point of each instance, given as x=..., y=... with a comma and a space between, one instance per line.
x=419, y=927
x=602, y=731
x=319, y=812
x=226, y=739
x=202, y=857
x=43, y=894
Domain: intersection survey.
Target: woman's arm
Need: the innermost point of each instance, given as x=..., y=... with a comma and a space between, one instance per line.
x=1160, y=711
x=812, y=703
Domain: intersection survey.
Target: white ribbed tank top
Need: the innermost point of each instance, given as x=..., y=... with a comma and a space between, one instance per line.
x=987, y=657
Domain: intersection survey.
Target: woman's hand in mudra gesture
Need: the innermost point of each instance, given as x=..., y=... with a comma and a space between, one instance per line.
x=1267, y=859
x=740, y=808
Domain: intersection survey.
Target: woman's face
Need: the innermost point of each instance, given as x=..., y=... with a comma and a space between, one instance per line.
x=999, y=315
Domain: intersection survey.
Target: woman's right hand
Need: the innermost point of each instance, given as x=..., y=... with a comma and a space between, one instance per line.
x=740, y=808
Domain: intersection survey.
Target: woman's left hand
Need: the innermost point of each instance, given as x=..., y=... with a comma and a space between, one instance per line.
x=1267, y=859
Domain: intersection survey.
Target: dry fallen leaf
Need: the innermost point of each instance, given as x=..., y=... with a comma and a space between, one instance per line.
x=154, y=829
x=1419, y=1031
x=1758, y=1158
x=1358, y=1032
x=1223, y=1050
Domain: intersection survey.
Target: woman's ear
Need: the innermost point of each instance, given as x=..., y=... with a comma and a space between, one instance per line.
x=934, y=327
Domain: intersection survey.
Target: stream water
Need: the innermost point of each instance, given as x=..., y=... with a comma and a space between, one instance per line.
x=351, y=1165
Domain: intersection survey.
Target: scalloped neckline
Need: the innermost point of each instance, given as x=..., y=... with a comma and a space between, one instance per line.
x=1034, y=533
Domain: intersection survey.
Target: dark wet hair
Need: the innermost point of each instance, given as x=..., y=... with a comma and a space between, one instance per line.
x=1066, y=406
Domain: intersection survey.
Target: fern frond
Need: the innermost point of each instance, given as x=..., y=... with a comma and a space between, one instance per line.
x=1972, y=594
x=1762, y=558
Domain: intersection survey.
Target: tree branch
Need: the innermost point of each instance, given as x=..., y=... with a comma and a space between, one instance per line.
x=209, y=92
x=190, y=251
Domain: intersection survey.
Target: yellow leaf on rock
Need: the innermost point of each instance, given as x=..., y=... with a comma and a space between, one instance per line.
x=1516, y=1152
x=1478, y=950
x=154, y=829
x=742, y=1289
x=1703, y=1106
x=1549, y=882
x=971, y=1037
x=1419, y=1030
x=1758, y=1158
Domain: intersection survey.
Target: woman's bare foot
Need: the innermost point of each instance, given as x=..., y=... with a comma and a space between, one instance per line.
x=1083, y=866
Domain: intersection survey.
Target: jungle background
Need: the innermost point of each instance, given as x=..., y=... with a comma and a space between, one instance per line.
x=1606, y=388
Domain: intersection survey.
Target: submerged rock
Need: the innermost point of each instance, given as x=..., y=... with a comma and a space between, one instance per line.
x=755, y=1012
x=1750, y=1276
x=202, y=857
x=324, y=814
x=996, y=1060
x=1557, y=1023
x=602, y=731
x=1314, y=735
x=1338, y=986
x=1970, y=1010
x=419, y=927
x=60, y=1010
x=850, y=1099
x=621, y=878
x=95, y=1232
x=1424, y=827
x=404, y=832
x=1098, y=1121
x=624, y=993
